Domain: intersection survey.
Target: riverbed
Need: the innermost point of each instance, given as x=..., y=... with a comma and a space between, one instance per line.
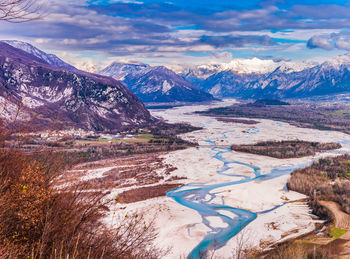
x=229, y=196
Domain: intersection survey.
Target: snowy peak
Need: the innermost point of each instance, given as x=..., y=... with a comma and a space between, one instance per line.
x=201, y=71
x=246, y=66
x=120, y=70
x=262, y=66
x=289, y=79
x=338, y=61
x=155, y=84
x=51, y=59
x=250, y=66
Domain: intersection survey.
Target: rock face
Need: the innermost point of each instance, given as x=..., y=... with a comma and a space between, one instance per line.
x=156, y=84
x=50, y=96
x=330, y=77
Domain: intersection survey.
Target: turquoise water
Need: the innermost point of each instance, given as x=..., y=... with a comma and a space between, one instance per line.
x=199, y=197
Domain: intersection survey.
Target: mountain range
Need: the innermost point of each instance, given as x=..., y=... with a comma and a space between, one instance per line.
x=287, y=80
x=156, y=83
x=245, y=78
x=47, y=95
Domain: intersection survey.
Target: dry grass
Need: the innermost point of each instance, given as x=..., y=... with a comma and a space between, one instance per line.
x=135, y=170
x=144, y=193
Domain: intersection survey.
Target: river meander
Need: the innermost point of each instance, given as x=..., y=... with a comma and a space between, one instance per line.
x=205, y=197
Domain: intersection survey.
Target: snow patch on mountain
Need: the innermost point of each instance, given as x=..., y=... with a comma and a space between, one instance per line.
x=338, y=61
x=245, y=66
x=166, y=87
x=120, y=70
x=50, y=59
x=155, y=83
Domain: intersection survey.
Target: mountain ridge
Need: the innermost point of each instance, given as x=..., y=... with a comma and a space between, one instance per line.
x=155, y=84
x=74, y=98
x=330, y=77
x=48, y=58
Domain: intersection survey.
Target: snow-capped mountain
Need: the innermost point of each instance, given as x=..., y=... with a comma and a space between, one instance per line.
x=64, y=98
x=329, y=77
x=227, y=83
x=286, y=80
x=262, y=66
x=120, y=70
x=155, y=84
x=50, y=59
x=338, y=62
x=249, y=66
x=244, y=66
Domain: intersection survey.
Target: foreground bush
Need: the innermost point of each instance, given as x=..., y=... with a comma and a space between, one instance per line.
x=39, y=220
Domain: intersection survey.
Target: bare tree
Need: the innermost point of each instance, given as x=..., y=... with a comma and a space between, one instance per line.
x=293, y=250
x=243, y=245
x=17, y=11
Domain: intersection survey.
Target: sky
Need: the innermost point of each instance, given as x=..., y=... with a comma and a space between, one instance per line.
x=95, y=33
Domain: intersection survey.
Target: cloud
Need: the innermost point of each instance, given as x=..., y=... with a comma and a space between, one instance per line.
x=236, y=40
x=321, y=42
x=343, y=43
x=280, y=59
x=221, y=56
x=330, y=41
x=228, y=17
x=156, y=28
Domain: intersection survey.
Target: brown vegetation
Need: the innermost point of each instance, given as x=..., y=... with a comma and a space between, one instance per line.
x=248, y=122
x=286, y=149
x=127, y=171
x=145, y=193
x=39, y=220
x=326, y=179
x=300, y=250
x=46, y=211
x=71, y=151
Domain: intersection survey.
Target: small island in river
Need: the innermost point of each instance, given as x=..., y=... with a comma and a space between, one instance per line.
x=286, y=148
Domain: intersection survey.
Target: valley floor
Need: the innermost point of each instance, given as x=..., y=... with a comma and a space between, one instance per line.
x=280, y=214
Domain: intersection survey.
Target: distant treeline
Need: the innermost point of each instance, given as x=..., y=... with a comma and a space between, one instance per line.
x=231, y=120
x=286, y=149
x=307, y=115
